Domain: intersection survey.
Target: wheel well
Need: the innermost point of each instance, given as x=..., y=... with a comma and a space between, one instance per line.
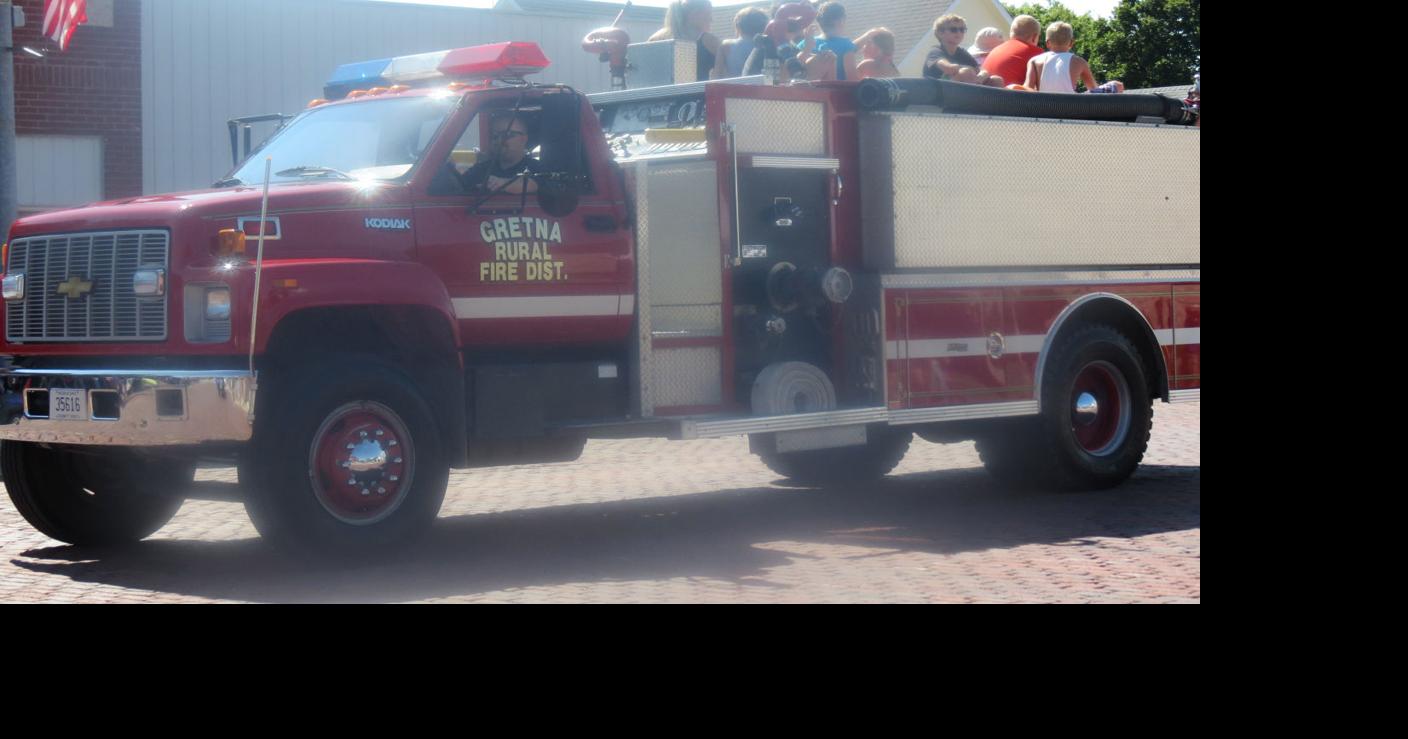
x=1125, y=318
x=418, y=340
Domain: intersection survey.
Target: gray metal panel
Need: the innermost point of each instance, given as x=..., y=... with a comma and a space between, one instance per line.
x=206, y=62
x=968, y=191
x=55, y=171
x=685, y=266
x=686, y=321
x=656, y=63
x=688, y=376
x=778, y=126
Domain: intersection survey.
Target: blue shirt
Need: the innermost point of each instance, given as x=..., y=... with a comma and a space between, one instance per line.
x=838, y=45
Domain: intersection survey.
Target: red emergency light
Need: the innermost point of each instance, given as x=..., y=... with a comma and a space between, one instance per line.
x=510, y=59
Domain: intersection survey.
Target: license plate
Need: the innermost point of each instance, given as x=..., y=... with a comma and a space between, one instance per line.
x=68, y=405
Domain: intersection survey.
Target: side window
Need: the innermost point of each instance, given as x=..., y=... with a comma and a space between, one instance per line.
x=465, y=154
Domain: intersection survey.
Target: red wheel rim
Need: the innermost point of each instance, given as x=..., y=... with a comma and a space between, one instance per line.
x=1100, y=408
x=361, y=463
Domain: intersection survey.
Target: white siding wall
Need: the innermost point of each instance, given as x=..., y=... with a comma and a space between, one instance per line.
x=206, y=61
x=59, y=171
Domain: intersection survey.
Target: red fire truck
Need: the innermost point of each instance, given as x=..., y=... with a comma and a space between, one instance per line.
x=827, y=268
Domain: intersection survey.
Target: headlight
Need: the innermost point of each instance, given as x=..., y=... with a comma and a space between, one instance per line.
x=207, y=312
x=14, y=287
x=149, y=282
x=217, y=304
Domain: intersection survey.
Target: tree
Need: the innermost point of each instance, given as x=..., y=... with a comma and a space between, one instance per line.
x=1145, y=43
x=1153, y=43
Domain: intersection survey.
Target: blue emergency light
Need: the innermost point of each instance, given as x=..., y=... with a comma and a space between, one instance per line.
x=356, y=76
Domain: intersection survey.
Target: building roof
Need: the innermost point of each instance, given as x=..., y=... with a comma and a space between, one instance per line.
x=911, y=20
x=583, y=8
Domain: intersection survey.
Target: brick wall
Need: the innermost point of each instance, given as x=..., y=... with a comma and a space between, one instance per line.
x=92, y=89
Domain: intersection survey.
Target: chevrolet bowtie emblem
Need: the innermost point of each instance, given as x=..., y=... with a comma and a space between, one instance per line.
x=75, y=287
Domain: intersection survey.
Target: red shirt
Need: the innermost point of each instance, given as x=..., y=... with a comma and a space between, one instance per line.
x=1009, y=61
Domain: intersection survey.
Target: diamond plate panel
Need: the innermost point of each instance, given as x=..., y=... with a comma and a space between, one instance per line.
x=778, y=126
x=687, y=376
x=966, y=191
x=685, y=258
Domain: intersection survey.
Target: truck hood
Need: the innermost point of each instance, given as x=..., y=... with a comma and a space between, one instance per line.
x=150, y=211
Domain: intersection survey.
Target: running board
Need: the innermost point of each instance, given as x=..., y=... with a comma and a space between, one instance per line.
x=708, y=429
x=735, y=426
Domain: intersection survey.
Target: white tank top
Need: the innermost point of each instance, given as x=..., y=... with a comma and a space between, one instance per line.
x=1056, y=72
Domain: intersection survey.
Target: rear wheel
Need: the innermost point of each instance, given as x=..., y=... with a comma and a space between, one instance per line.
x=1096, y=416
x=349, y=461
x=93, y=499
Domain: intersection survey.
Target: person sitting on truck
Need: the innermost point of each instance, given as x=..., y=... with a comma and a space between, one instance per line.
x=1009, y=59
x=987, y=39
x=734, y=52
x=950, y=61
x=879, y=52
x=690, y=20
x=831, y=17
x=1058, y=70
x=508, y=161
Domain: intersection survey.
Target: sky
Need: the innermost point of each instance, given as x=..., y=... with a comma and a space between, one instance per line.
x=1096, y=7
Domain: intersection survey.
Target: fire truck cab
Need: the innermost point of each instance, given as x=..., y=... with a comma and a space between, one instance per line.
x=453, y=268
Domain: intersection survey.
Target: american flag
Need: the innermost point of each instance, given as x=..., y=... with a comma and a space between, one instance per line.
x=62, y=17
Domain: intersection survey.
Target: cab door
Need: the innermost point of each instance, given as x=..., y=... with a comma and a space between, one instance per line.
x=517, y=274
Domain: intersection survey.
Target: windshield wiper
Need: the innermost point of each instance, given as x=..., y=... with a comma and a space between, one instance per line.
x=228, y=181
x=309, y=170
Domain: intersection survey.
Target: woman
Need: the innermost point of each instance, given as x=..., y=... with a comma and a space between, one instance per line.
x=689, y=20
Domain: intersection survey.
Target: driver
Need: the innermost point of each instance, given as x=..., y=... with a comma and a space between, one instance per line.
x=508, y=159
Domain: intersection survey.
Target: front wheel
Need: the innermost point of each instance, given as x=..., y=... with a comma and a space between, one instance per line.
x=349, y=462
x=93, y=499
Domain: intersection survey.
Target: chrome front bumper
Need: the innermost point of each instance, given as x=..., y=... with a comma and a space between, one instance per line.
x=130, y=407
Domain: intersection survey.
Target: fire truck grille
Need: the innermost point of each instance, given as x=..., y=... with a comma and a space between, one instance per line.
x=78, y=287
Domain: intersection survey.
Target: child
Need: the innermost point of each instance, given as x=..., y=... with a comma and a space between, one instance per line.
x=879, y=52
x=1058, y=70
x=831, y=17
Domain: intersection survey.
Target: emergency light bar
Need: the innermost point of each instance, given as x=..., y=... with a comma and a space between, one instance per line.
x=506, y=60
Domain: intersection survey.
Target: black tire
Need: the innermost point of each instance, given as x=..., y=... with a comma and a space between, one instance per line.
x=290, y=495
x=1071, y=450
x=844, y=465
x=110, y=499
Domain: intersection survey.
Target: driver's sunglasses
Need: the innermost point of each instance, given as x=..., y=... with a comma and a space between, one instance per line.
x=505, y=135
x=955, y=30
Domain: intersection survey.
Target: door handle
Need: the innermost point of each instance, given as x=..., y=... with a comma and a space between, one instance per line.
x=601, y=223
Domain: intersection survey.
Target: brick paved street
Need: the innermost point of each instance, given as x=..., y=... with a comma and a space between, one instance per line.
x=659, y=521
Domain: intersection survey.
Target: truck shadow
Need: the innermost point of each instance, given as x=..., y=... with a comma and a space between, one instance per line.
x=718, y=536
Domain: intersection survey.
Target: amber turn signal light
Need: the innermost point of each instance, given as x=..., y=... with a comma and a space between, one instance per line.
x=230, y=243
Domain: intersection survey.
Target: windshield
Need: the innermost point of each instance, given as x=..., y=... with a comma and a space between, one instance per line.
x=371, y=140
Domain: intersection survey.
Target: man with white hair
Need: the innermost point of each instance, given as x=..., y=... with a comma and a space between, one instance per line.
x=987, y=39
x=1009, y=59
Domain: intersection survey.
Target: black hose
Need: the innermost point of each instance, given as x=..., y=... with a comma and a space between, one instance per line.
x=957, y=97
